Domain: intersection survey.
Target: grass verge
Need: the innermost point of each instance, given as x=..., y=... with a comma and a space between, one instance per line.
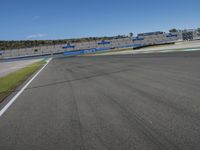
x=10, y=82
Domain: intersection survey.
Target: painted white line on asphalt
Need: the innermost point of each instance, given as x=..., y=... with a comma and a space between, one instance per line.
x=187, y=50
x=20, y=92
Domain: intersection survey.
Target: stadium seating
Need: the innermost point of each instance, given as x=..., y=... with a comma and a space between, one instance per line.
x=140, y=40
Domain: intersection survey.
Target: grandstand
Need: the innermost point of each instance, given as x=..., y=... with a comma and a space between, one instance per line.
x=143, y=39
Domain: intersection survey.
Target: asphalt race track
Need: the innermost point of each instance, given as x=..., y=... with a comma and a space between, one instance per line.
x=123, y=102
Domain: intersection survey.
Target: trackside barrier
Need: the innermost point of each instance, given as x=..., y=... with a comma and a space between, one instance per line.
x=131, y=45
x=85, y=51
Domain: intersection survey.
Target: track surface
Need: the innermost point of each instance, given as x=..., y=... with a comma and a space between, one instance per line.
x=149, y=101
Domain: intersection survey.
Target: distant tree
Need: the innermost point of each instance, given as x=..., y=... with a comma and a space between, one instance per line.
x=42, y=42
x=131, y=34
x=198, y=30
x=6, y=45
x=173, y=30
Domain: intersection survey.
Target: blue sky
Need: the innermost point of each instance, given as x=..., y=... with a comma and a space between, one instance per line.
x=58, y=19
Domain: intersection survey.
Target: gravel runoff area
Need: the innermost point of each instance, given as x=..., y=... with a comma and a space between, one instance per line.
x=12, y=66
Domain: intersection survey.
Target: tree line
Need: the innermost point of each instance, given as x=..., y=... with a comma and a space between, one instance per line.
x=176, y=30
x=7, y=45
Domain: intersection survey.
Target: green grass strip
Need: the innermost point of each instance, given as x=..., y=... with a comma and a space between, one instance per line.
x=12, y=81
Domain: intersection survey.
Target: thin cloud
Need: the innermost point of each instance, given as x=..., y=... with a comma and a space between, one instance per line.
x=36, y=36
x=36, y=18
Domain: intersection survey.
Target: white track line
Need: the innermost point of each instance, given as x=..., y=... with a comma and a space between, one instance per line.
x=20, y=92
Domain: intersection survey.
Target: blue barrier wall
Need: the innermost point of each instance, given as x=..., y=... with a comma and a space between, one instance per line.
x=70, y=53
x=85, y=51
x=131, y=45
